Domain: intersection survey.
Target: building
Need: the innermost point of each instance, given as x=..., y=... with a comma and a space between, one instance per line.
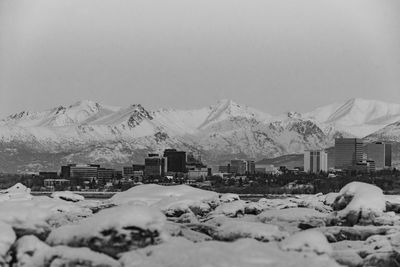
x=199, y=173
x=381, y=154
x=315, y=161
x=84, y=172
x=251, y=167
x=106, y=175
x=176, y=160
x=155, y=166
x=238, y=166
x=348, y=152
x=365, y=166
x=48, y=175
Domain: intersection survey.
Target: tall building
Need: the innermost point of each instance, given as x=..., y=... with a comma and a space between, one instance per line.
x=155, y=166
x=251, y=167
x=381, y=153
x=84, y=172
x=348, y=152
x=238, y=166
x=176, y=160
x=315, y=161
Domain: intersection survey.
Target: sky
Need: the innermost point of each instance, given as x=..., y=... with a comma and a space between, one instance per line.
x=273, y=55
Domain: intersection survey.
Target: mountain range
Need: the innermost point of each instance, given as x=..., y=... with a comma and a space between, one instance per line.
x=90, y=132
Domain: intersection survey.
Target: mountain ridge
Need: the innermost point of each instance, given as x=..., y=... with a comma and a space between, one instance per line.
x=87, y=131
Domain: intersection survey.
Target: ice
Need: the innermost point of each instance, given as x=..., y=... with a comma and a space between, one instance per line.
x=229, y=197
x=15, y=193
x=179, y=252
x=360, y=201
x=114, y=230
x=67, y=196
x=231, y=209
x=7, y=238
x=31, y=252
x=36, y=216
x=173, y=200
x=309, y=240
x=232, y=229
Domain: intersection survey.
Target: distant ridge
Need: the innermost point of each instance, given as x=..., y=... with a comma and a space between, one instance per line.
x=88, y=131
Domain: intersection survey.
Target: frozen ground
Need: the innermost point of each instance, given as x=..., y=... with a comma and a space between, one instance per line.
x=152, y=225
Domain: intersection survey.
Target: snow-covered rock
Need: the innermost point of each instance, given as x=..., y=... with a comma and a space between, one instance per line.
x=15, y=193
x=330, y=198
x=309, y=240
x=114, y=230
x=230, y=209
x=172, y=200
x=179, y=252
x=229, y=197
x=232, y=229
x=7, y=238
x=31, y=252
x=253, y=208
x=294, y=215
x=67, y=196
x=36, y=216
x=360, y=202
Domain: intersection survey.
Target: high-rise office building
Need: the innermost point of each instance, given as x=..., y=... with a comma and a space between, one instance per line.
x=251, y=167
x=155, y=166
x=315, y=161
x=176, y=160
x=348, y=152
x=84, y=172
x=381, y=153
x=238, y=166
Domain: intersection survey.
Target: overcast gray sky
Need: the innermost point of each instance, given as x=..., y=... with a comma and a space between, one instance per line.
x=274, y=55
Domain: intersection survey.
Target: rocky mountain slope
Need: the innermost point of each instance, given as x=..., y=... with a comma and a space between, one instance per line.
x=91, y=132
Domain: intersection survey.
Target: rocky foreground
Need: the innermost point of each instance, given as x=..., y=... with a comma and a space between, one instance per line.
x=152, y=225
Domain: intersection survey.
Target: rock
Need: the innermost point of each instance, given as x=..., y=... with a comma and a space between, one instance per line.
x=229, y=197
x=300, y=216
x=114, y=230
x=7, y=238
x=15, y=193
x=359, y=203
x=31, y=252
x=253, y=208
x=230, y=209
x=232, y=229
x=67, y=196
x=306, y=241
x=172, y=200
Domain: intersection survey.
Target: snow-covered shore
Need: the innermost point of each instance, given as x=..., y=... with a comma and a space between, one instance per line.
x=153, y=225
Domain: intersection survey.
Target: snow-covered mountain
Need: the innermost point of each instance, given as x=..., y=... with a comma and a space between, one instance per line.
x=358, y=117
x=91, y=132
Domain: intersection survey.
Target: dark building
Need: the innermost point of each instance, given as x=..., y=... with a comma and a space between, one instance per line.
x=155, y=166
x=348, y=152
x=105, y=175
x=48, y=175
x=176, y=160
x=381, y=153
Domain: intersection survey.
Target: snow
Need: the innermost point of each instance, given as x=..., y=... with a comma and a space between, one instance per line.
x=38, y=215
x=224, y=128
x=292, y=215
x=114, y=229
x=7, y=238
x=230, y=209
x=180, y=198
x=15, y=193
x=31, y=252
x=67, y=196
x=243, y=252
x=229, y=197
x=310, y=240
x=360, y=198
x=232, y=229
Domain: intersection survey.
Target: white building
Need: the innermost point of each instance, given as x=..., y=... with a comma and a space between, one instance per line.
x=315, y=161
